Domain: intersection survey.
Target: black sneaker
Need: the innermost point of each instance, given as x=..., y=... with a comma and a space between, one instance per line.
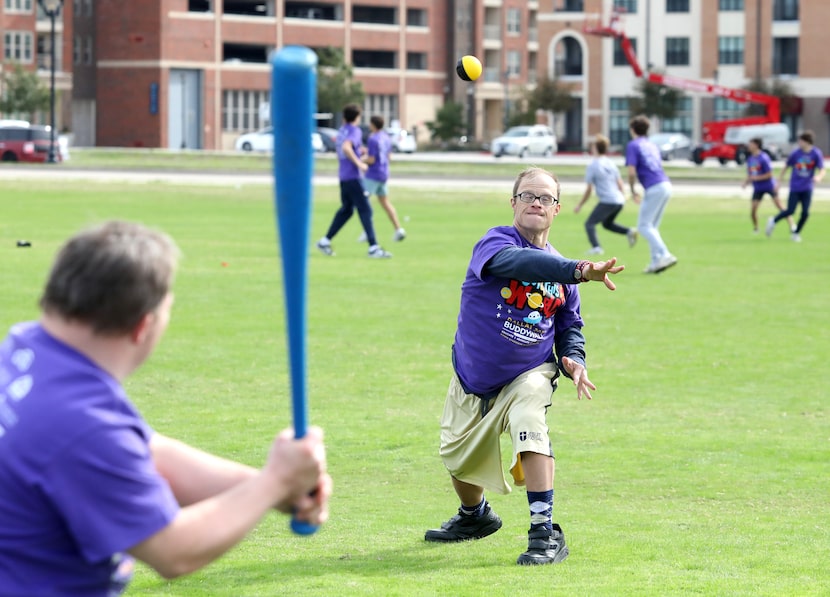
x=544, y=547
x=463, y=527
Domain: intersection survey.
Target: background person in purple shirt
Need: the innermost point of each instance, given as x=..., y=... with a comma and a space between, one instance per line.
x=85, y=484
x=646, y=165
x=807, y=163
x=378, y=151
x=759, y=174
x=519, y=323
x=352, y=194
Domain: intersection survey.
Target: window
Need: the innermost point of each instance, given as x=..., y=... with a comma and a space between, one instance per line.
x=629, y=6
x=416, y=17
x=514, y=21
x=88, y=50
x=244, y=53
x=730, y=50
x=573, y=6
x=313, y=10
x=785, y=10
x=416, y=61
x=568, y=58
x=785, y=56
x=382, y=105
x=374, y=14
x=618, y=118
x=514, y=63
x=677, y=51
x=18, y=46
x=619, y=55
x=241, y=109
x=730, y=5
x=76, y=49
x=18, y=5
x=682, y=121
x=677, y=5
x=87, y=8
x=373, y=59
x=198, y=6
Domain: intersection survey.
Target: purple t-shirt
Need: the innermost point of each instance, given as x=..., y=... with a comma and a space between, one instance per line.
x=78, y=486
x=645, y=157
x=757, y=165
x=507, y=327
x=347, y=169
x=804, y=165
x=378, y=146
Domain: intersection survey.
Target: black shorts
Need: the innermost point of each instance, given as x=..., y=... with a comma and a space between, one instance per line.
x=758, y=195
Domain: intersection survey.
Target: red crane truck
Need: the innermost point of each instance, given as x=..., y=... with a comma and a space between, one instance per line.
x=721, y=139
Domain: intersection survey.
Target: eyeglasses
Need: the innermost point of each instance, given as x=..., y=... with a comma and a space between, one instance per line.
x=528, y=197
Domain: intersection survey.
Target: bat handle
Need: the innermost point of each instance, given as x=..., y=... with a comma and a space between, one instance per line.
x=300, y=527
x=303, y=528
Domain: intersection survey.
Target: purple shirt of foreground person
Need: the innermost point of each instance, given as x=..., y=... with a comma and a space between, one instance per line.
x=504, y=326
x=347, y=170
x=645, y=157
x=85, y=484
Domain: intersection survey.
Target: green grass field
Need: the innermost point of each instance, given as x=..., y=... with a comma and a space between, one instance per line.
x=700, y=467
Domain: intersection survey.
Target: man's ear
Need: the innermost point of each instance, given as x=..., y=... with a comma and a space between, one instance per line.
x=142, y=328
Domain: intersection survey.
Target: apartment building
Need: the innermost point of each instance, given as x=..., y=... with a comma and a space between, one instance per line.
x=27, y=40
x=728, y=42
x=195, y=73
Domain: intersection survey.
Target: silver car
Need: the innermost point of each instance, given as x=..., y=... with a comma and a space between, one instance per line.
x=526, y=140
x=672, y=145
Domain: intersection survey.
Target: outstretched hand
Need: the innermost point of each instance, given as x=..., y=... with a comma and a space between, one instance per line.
x=579, y=374
x=598, y=272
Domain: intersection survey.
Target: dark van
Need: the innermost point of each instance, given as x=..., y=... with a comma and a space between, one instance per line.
x=26, y=143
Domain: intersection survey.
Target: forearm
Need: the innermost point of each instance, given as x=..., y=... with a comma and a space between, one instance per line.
x=204, y=531
x=195, y=475
x=570, y=343
x=533, y=265
x=348, y=149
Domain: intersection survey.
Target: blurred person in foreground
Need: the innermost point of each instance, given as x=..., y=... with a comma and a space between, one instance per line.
x=86, y=485
x=519, y=324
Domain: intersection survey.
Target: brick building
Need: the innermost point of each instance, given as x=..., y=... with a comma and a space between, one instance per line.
x=729, y=42
x=26, y=40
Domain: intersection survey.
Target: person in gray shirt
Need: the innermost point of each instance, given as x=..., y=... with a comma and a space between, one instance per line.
x=603, y=176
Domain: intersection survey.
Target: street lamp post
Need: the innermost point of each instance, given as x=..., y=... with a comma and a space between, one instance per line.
x=52, y=8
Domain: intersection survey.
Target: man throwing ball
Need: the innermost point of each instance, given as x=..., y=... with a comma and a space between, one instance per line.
x=518, y=326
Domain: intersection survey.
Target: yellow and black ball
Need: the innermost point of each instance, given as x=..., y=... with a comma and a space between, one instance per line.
x=468, y=68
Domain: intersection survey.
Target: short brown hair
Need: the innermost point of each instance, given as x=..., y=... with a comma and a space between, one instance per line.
x=377, y=122
x=535, y=171
x=640, y=125
x=808, y=137
x=110, y=276
x=601, y=142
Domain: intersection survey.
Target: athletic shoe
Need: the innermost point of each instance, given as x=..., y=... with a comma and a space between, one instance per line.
x=362, y=238
x=594, y=251
x=632, y=235
x=665, y=263
x=377, y=252
x=754, y=231
x=400, y=234
x=796, y=237
x=325, y=249
x=464, y=527
x=544, y=547
x=770, y=226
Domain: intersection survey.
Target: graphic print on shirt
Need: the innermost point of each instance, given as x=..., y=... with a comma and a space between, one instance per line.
x=804, y=166
x=528, y=306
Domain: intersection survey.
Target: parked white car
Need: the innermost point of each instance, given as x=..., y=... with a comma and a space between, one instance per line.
x=263, y=140
x=402, y=140
x=521, y=141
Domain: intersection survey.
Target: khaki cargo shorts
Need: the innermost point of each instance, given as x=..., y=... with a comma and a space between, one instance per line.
x=470, y=443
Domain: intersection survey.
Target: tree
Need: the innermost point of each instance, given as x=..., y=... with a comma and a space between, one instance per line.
x=22, y=92
x=780, y=89
x=336, y=86
x=655, y=100
x=549, y=95
x=449, y=122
